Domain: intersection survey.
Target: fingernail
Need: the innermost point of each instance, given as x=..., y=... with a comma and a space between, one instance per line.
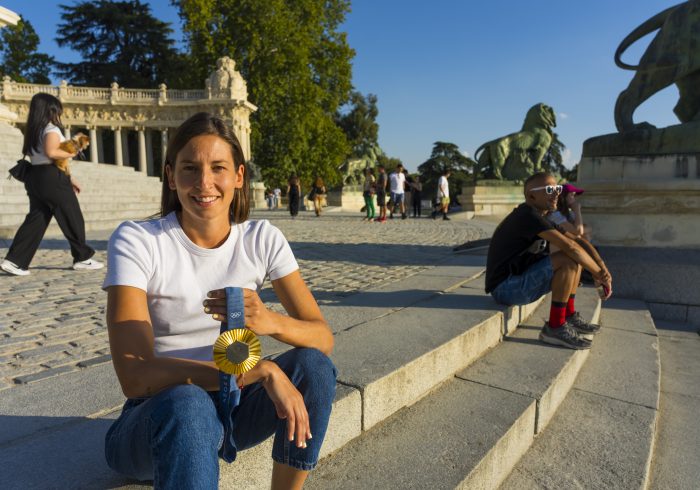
x=207, y=309
x=310, y=435
x=304, y=446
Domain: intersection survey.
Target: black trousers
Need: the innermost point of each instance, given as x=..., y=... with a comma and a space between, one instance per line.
x=50, y=195
x=416, y=203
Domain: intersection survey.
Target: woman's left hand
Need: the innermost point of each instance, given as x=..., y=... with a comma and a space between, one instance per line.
x=257, y=317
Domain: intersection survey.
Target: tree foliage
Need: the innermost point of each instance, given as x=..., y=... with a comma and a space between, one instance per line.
x=119, y=41
x=446, y=156
x=19, y=58
x=297, y=65
x=359, y=123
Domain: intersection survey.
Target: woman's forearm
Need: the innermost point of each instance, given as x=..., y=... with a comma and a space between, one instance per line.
x=146, y=377
x=303, y=333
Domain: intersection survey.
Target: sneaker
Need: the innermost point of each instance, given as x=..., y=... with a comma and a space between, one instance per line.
x=12, y=268
x=581, y=325
x=445, y=218
x=89, y=264
x=565, y=336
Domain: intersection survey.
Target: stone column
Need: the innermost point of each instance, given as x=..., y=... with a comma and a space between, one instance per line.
x=125, y=148
x=149, y=153
x=100, y=143
x=118, y=159
x=142, y=150
x=163, y=145
x=67, y=132
x=93, y=145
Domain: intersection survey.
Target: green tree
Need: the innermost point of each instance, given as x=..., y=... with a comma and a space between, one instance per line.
x=18, y=54
x=446, y=156
x=297, y=65
x=553, y=160
x=359, y=123
x=119, y=42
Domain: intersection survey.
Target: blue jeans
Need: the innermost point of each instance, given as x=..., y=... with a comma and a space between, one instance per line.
x=174, y=437
x=528, y=286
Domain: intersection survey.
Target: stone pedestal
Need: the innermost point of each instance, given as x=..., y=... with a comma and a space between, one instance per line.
x=642, y=202
x=348, y=199
x=491, y=198
x=643, y=187
x=257, y=196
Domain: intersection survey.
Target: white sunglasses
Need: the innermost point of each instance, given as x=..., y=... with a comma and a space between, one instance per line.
x=549, y=189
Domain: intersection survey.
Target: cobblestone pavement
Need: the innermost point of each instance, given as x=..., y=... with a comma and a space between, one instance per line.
x=52, y=321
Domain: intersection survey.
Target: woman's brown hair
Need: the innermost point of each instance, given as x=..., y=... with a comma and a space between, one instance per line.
x=201, y=124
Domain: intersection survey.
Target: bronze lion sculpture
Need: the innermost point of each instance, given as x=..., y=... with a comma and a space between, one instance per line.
x=673, y=56
x=518, y=155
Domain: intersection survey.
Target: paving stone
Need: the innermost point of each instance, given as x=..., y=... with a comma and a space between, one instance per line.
x=362, y=258
x=48, y=373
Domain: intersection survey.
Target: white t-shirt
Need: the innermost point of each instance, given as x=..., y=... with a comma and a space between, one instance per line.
x=396, y=182
x=40, y=158
x=443, y=189
x=157, y=257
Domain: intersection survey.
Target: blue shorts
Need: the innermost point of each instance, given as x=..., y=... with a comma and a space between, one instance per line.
x=527, y=287
x=397, y=198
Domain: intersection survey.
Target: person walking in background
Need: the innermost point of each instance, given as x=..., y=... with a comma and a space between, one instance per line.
x=368, y=190
x=276, y=197
x=397, y=181
x=381, y=192
x=270, y=198
x=51, y=192
x=293, y=195
x=416, y=196
x=443, y=195
x=318, y=192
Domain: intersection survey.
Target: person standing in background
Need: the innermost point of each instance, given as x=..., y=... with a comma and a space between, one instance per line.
x=416, y=196
x=368, y=194
x=381, y=192
x=443, y=195
x=293, y=195
x=51, y=192
x=397, y=181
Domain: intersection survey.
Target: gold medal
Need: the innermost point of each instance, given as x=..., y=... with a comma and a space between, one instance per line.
x=237, y=351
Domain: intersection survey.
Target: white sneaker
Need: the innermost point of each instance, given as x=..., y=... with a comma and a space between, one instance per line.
x=89, y=264
x=11, y=268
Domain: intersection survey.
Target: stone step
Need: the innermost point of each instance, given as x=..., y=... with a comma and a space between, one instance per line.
x=394, y=345
x=91, y=216
x=602, y=436
x=470, y=431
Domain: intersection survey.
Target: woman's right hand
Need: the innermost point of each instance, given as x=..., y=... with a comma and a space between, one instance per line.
x=289, y=405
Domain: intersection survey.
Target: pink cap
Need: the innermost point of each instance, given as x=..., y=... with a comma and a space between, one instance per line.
x=571, y=188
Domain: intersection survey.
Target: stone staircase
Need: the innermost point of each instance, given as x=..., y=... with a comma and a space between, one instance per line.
x=110, y=195
x=438, y=387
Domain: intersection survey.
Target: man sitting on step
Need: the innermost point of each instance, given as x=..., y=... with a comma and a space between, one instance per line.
x=520, y=269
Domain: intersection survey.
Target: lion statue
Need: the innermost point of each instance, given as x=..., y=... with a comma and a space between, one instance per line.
x=518, y=155
x=672, y=56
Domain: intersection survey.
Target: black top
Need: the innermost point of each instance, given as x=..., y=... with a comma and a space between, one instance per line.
x=510, y=250
x=381, y=183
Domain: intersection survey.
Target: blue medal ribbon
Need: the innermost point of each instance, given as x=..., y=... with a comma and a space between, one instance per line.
x=229, y=393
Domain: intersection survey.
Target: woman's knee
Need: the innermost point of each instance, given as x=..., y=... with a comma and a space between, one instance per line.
x=312, y=366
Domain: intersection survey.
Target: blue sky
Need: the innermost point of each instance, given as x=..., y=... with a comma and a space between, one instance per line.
x=467, y=71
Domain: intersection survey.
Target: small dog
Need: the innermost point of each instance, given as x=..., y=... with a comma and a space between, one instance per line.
x=75, y=145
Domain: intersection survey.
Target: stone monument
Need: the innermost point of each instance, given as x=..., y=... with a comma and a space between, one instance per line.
x=349, y=197
x=508, y=161
x=643, y=183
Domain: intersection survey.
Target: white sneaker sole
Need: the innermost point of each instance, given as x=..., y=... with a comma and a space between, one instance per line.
x=14, y=271
x=555, y=341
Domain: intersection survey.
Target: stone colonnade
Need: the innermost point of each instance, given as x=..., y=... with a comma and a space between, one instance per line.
x=121, y=111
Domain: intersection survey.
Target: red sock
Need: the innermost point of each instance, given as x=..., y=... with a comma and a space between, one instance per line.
x=570, y=309
x=557, y=314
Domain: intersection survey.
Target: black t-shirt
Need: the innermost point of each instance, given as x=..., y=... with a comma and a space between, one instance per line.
x=510, y=250
x=381, y=183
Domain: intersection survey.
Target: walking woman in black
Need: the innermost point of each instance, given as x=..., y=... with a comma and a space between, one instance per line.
x=293, y=195
x=51, y=192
